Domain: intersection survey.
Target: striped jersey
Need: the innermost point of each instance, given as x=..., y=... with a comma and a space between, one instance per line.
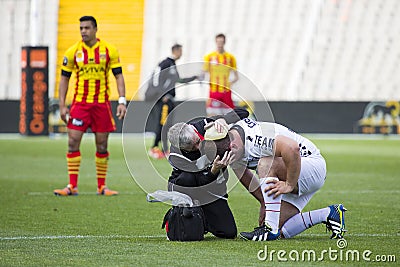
x=92, y=66
x=219, y=66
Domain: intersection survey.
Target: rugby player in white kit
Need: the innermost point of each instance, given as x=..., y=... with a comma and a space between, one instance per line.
x=291, y=169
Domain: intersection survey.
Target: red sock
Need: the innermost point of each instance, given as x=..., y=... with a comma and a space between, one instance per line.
x=73, y=162
x=101, y=168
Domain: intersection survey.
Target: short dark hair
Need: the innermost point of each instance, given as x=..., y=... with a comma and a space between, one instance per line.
x=220, y=35
x=176, y=47
x=89, y=18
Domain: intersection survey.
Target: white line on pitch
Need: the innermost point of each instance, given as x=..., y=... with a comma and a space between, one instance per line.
x=345, y=192
x=80, y=193
x=357, y=235
x=158, y=236
x=341, y=192
x=78, y=237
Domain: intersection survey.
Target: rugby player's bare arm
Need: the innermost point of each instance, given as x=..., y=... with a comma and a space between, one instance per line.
x=121, y=109
x=250, y=182
x=62, y=93
x=288, y=150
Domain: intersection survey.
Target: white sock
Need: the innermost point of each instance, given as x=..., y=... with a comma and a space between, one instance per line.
x=272, y=206
x=302, y=221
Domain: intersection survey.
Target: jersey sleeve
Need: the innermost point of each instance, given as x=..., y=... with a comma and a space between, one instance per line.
x=206, y=65
x=114, y=57
x=68, y=63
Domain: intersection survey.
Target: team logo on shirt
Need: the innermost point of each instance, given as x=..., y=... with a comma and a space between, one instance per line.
x=65, y=61
x=263, y=142
x=304, y=152
x=103, y=56
x=214, y=61
x=79, y=56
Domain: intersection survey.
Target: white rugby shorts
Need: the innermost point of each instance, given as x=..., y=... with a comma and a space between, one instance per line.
x=312, y=178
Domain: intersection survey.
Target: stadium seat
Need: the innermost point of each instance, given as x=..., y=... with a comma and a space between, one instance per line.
x=346, y=50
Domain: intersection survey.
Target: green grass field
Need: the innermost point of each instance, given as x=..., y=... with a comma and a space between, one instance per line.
x=38, y=228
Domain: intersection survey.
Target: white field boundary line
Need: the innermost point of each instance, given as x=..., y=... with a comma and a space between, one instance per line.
x=52, y=237
x=119, y=136
x=81, y=193
x=240, y=193
x=339, y=192
x=80, y=237
x=63, y=136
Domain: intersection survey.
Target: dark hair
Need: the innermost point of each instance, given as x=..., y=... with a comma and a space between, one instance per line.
x=176, y=47
x=89, y=18
x=220, y=35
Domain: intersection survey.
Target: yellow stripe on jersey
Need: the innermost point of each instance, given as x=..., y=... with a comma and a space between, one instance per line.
x=92, y=66
x=219, y=66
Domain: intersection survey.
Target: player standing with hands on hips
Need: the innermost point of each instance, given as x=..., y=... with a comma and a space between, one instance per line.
x=91, y=59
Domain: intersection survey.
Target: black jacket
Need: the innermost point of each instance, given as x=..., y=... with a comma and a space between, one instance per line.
x=204, y=174
x=169, y=76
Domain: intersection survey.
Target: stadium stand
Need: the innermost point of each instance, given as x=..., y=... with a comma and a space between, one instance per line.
x=323, y=50
x=16, y=32
x=122, y=27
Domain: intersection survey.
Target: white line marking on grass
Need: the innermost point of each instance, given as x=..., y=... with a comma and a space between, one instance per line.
x=51, y=237
x=341, y=192
x=119, y=136
x=359, y=191
x=80, y=193
x=356, y=235
x=79, y=237
x=321, y=136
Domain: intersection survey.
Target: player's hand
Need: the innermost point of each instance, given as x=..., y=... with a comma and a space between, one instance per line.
x=261, y=218
x=221, y=125
x=219, y=164
x=165, y=99
x=233, y=82
x=121, y=111
x=201, y=77
x=278, y=188
x=64, y=111
x=209, y=125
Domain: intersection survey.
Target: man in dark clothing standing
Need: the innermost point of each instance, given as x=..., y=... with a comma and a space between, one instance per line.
x=165, y=77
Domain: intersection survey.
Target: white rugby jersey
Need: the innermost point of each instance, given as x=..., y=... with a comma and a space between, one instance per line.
x=259, y=138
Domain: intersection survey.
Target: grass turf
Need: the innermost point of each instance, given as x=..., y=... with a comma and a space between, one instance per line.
x=37, y=228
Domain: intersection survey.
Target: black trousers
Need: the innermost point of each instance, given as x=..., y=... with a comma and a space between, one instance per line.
x=163, y=110
x=219, y=218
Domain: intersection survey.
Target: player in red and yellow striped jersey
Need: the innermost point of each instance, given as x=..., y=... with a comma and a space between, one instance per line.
x=91, y=59
x=220, y=64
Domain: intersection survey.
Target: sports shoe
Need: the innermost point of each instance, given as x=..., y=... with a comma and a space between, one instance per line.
x=103, y=190
x=335, y=221
x=69, y=190
x=156, y=153
x=261, y=233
